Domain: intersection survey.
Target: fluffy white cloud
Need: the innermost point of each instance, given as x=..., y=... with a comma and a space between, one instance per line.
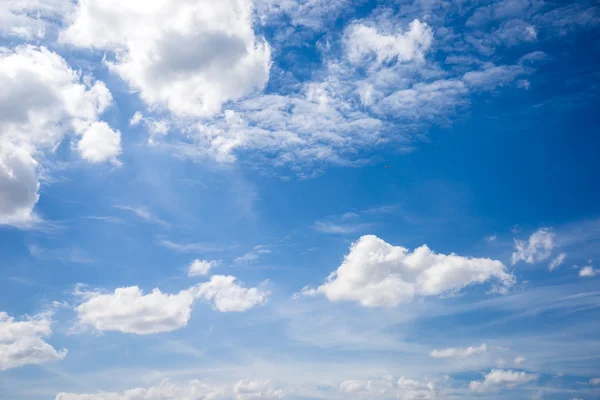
x=538, y=248
x=587, y=271
x=201, y=267
x=403, y=388
x=42, y=101
x=191, y=390
x=228, y=296
x=22, y=342
x=129, y=310
x=458, y=352
x=595, y=381
x=376, y=273
x=558, y=261
x=498, y=378
x=365, y=41
x=190, y=56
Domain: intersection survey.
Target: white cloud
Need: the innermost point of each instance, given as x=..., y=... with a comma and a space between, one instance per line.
x=587, y=271
x=144, y=214
x=253, y=255
x=129, y=310
x=595, y=381
x=201, y=267
x=558, y=261
x=520, y=360
x=42, y=101
x=193, y=247
x=30, y=19
x=331, y=227
x=498, y=378
x=22, y=342
x=249, y=390
x=538, y=248
x=403, y=389
x=190, y=57
x=378, y=274
x=190, y=390
x=458, y=352
x=99, y=143
x=228, y=296
x=365, y=42
x=491, y=238
x=493, y=76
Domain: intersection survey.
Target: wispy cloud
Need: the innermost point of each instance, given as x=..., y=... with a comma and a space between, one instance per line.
x=71, y=255
x=198, y=247
x=144, y=214
x=331, y=227
x=253, y=255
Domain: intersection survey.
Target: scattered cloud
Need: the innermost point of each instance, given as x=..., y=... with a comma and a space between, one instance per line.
x=331, y=227
x=253, y=255
x=538, y=248
x=588, y=271
x=595, y=381
x=22, y=341
x=194, y=247
x=498, y=378
x=377, y=274
x=458, y=352
x=402, y=388
x=520, y=360
x=73, y=255
x=558, y=261
x=129, y=310
x=491, y=238
x=201, y=267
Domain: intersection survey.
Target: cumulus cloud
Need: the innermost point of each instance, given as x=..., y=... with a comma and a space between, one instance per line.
x=587, y=271
x=498, y=378
x=201, y=267
x=595, y=381
x=189, y=57
x=365, y=41
x=228, y=296
x=30, y=19
x=377, y=274
x=458, y=352
x=42, y=101
x=129, y=310
x=403, y=388
x=558, y=261
x=22, y=342
x=538, y=248
x=191, y=390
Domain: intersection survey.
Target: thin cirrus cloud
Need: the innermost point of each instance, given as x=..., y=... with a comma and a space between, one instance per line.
x=129, y=310
x=377, y=274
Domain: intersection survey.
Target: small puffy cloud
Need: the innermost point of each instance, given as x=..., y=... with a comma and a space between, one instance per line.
x=365, y=42
x=201, y=267
x=520, y=360
x=538, y=248
x=595, y=381
x=458, y=352
x=100, y=143
x=587, y=272
x=498, y=378
x=189, y=57
x=22, y=342
x=558, y=261
x=129, y=310
x=491, y=238
x=228, y=296
x=403, y=389
x=378, y=274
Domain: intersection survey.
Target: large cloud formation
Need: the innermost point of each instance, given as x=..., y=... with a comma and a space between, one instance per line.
x=378, y=274
x=189, y=56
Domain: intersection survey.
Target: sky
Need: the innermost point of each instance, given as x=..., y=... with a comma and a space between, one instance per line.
x=299, y=199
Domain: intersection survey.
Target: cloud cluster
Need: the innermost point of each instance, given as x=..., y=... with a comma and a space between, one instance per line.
x=192, y=390
x=22, y=342
x=201, y=267
x=42, y=101
x=129, y=310
x=538, y=248
x=377, y=274
x=403, y=389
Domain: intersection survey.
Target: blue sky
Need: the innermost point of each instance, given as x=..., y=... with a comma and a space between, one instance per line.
x=299, y=199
